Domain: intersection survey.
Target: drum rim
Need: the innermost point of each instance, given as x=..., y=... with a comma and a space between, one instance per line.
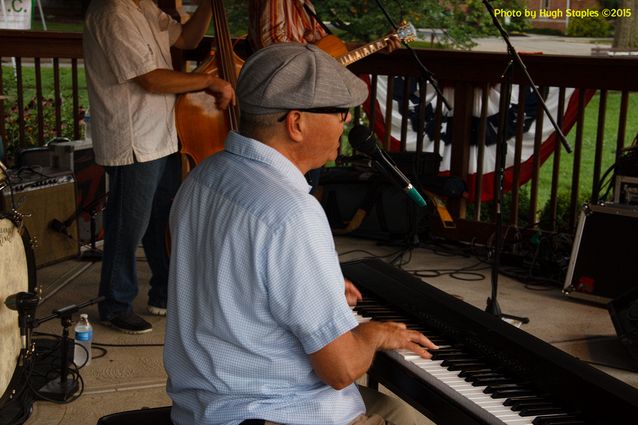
x=13, y=390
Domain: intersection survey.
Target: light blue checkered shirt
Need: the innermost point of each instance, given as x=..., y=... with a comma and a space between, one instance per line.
x=255, y=286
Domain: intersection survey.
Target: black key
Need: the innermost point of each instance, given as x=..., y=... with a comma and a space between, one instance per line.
x=451, y=354
x=453, y=365
x=471, y=376
x=513, y=400
x=483, y=382
x=528, y=404
x=538, y=411
x=508, y=392
x=436, y=340
x=469, y=372
x=561, y=419
x=497, y=387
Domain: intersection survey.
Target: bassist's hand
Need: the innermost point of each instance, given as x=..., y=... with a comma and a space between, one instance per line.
x=222, y=91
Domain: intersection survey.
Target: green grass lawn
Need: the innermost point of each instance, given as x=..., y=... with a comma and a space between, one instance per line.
x=30, y=104
x=589, y=146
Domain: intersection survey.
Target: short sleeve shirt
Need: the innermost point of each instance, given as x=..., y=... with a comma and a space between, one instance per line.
x=122, y=41
x=255, y=287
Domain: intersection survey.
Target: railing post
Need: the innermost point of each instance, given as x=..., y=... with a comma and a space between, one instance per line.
x=461, y=127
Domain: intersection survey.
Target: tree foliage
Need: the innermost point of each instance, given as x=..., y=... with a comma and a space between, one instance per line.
x=363, y=20
x=458, y=20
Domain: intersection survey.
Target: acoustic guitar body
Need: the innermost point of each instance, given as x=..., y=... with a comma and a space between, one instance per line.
x=332, y=45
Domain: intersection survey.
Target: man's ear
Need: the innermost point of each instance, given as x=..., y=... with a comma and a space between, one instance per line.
x=295, y=125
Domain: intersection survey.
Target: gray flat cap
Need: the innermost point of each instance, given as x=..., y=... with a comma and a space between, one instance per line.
x=288, y=76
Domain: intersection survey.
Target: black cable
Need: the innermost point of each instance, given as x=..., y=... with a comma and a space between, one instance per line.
x=53, y=372
x=371, y=254
x=19, y=394
x=454, y=273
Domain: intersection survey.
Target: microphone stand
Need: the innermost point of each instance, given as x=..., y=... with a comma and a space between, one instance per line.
x=427, y=76
x=501, y=154
x=61, y=388
x=93, y=209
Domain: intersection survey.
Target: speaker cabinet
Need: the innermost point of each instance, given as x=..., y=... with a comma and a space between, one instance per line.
x=46, y=198
x=603, y=261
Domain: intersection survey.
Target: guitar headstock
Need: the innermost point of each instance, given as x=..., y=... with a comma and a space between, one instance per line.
x=406, y=32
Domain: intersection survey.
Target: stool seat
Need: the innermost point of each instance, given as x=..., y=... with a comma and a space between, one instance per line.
x=144, y=416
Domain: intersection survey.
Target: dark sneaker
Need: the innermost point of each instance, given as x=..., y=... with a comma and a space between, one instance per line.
x=155, y=310
x=129, y=323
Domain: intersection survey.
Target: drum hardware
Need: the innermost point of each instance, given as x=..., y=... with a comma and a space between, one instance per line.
x=62, y=388
x=18, y=219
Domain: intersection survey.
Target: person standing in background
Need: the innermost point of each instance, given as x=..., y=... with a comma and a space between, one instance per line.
x=282, y=21
x=132, y=87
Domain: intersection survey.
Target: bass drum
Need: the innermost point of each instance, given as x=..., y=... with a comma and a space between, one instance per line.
x=17, y=274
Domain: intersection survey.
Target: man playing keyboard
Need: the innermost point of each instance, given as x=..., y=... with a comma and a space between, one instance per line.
x=258, y=327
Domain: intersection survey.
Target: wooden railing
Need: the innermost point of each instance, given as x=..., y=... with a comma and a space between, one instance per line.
x=470, y=75
x=33, y=50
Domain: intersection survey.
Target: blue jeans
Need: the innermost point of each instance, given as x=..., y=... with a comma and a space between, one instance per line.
x=137, y=210
x=312, y=177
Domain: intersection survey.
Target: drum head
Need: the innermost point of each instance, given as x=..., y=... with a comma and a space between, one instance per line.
x=17, y=273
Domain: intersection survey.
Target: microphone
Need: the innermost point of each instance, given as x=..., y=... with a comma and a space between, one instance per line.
x=62, y=227
x=25, y=303
x=362, y=139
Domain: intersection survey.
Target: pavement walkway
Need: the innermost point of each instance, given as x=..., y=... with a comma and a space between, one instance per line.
x=546, y=44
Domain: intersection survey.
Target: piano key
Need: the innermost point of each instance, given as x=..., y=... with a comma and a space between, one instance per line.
x=463, y=365
x=512, y=400
x=560, y=419
x=472, y=392
x=524, y=404
x=502, y=386
x=508, y=392
x=480, y=373
x=539, y=411
x=483, y=382
x=457, y=356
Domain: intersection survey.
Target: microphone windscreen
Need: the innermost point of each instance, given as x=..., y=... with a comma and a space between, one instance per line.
x=361, y=139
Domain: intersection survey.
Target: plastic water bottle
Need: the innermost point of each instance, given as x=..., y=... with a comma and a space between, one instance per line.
x=87, y=125
x=83, y=337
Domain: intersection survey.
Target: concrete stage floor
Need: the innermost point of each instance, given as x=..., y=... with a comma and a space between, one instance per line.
x=128, y=372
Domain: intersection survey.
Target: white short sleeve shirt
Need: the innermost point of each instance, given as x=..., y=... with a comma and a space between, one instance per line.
x=122, y=41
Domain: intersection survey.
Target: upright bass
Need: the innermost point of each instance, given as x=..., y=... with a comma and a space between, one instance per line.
x=201, y=127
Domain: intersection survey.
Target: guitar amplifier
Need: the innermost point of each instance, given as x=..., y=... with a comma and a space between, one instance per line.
x=46, y=199
x=603, y=262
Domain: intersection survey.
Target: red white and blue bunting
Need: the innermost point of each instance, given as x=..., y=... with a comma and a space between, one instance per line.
x=549, y=138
